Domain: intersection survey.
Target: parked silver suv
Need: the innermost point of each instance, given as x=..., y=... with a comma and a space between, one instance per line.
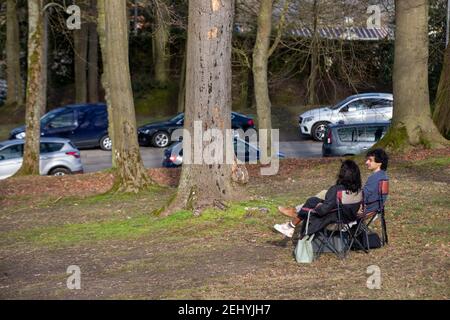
x=367, y=107
x=58, y=157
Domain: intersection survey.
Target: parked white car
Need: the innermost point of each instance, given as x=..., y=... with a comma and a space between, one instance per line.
x=367, y=107
x=58, y=157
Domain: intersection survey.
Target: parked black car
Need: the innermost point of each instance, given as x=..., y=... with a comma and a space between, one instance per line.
x=352, y=139
x=158, y=134
x=85, y=125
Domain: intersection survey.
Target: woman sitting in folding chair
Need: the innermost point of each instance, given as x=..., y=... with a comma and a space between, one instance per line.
x=323, y=211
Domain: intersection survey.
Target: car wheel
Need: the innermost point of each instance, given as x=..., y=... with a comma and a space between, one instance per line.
x=161, y=139
x=318, y=131
x=60, y=172
x=106, y=143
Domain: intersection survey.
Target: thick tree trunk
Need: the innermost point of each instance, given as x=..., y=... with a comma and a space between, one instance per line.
x=260, y=68
x=80, y=39
x=101, y=26
x=162, y=45
x=14, y=80
x=208, y=100
x=411, y=124
x=93, y=57
x=35, y=88
x=441, y=114
x=130, y=173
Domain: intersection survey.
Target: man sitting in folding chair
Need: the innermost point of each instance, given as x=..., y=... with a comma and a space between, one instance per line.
x=375, y=193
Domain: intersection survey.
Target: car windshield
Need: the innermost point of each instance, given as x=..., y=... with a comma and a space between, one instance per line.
x=49, y=116
x=177, y=118
x=340, y=104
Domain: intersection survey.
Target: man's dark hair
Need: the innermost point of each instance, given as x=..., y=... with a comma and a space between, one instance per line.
x=380, y=157
x=350, y=176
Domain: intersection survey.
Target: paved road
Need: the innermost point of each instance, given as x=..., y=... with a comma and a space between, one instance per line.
x=97, y=160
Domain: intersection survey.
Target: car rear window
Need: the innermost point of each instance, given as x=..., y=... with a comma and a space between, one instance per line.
x=371, y=134
x=49, y=147
x=347, y=134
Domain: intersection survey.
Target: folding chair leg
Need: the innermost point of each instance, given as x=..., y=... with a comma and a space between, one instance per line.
x=384, y=229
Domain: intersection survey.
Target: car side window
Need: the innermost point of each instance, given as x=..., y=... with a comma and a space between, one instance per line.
x=357, y=105
x=50, y=147
x=62, y=121
x=380, y=103
x=101, y=119
x=371, y=134
x=83, y=119
x=347, y=134
x=12, y=152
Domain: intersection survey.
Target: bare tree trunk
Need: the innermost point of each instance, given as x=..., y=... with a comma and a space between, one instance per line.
x=101, y=30
x=130, y=174
x=441, y=114
x=260, y=67
x=208, y=100
x=93, y=57
x=35, y=88
x=80, y=39
x=312, y=81
x=182, y=87
x=45, y=62
x=161, y=42
x=14, y=80
x=411, y=124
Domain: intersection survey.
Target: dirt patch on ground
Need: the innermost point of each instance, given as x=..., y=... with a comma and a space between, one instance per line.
x=215, y=258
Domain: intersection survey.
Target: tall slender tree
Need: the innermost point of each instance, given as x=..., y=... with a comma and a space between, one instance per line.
x=15, y=88
x=208, y=106
x=411, y=124
x=80, y=45
x=93, y=55
x=161, y=42
x=260, y=67
x=130, y=174
x=35, y=88
x=441, y=114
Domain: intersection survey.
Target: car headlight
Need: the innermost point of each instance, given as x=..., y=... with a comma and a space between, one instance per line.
x=308, y=119
x=20, y=135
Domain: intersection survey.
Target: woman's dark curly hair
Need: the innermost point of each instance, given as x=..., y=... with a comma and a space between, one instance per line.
x=349, y=176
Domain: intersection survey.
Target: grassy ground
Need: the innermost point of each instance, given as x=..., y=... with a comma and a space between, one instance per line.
x=48, y=224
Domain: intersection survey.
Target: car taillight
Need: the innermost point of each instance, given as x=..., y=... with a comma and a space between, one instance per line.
x=173, y=158
x=330, y=136
x=251, y=122
x=73, y=154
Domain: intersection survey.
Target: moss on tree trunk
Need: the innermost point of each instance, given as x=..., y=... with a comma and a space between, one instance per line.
x=35, y=89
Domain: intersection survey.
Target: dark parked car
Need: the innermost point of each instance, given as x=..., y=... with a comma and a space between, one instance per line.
x=158, y=134
x=244, y=151
x=352, y=139
x=85, y=125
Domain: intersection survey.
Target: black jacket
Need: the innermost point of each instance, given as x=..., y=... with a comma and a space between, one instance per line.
x=326, y=213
